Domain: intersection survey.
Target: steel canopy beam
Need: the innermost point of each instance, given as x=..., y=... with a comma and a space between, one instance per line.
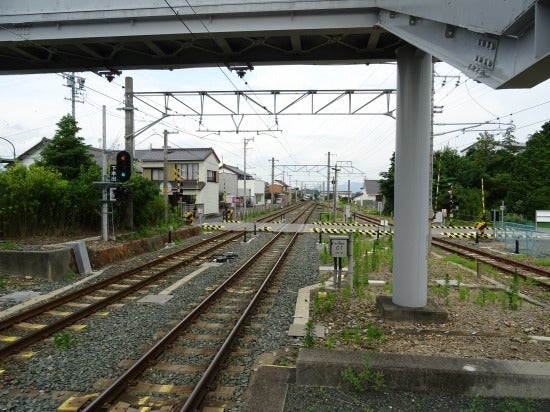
x=512, y=51
x=344, y=167
x=371, y=102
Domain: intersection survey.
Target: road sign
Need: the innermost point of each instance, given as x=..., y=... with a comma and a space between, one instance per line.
x=112, y=173
x=339, y=246
x=168, y=188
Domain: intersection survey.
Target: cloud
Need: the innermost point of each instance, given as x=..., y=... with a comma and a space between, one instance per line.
x=31, y=105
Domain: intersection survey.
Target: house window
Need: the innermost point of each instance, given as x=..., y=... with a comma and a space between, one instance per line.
x=189, y=199
x=189, y=171
x=157, y=174
x=211, y=176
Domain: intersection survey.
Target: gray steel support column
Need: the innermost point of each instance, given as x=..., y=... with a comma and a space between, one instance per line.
x=412, y=162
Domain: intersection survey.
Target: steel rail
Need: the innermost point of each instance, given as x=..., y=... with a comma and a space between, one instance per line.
x=513, y=265
x=48, y=330
x=52, y=304
x=201, y=389
x=278, y=213
x=464, y=250
x=121, y=383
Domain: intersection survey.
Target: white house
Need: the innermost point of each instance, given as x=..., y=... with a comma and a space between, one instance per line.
x=34, y=154
x=370, y=194
x=229, y=184
x=255, y=188
x=193, y=175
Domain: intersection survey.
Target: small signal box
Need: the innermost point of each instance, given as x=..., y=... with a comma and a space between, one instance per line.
x=339, y=246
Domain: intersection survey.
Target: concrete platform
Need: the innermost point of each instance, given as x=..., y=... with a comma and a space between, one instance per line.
x=158, y=299
x=415, y=373
x=435, y=374
x=51, y=264
x=431, y=313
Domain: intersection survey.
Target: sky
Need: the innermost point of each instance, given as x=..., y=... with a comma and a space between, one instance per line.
x=31, y=105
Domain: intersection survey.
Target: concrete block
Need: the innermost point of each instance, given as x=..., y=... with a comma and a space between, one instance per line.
x=49, y=264
x=268, y=388
x=81, y=256
x=20, y=296
x=431, y=313
x=437, y=374
x=159, y=299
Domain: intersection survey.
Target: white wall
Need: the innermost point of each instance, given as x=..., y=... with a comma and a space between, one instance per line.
x=253, y=187
x=209, y=195
x=228, y=183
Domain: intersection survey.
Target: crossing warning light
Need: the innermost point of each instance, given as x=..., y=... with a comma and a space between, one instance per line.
x=123, y=166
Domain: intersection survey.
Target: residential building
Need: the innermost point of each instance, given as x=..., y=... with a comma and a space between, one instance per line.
x=370, y=195
x=279, y=187
x=193, y=175
x=229, y=185
x=255, y=188
x=279, y=190
x=34, y=154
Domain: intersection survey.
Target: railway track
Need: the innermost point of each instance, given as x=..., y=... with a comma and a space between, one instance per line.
x=26, y=328
x=528, y=271
x=281, y=213
x=368, y=219
x=208, y=332
x=186, y=357
x=29, y=327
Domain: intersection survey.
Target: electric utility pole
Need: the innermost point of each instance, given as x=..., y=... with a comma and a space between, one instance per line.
x=129, y=137
x=272, y=180
x=76, y=84
x=104, y=204
x=336, y=170
x=328, y=175
x=245, y=143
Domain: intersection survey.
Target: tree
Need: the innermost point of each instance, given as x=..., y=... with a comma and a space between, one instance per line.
x=35, y=198
x=387, y=184
x=530, y=188
x=66, y=152
x=519, y=177
x=509, y=141
x=144, y=193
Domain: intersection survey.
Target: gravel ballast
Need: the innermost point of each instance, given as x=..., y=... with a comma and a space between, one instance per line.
x=51, y=375
x=107, y=340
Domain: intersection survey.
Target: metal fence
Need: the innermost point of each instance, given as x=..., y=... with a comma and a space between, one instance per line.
x=524, y=239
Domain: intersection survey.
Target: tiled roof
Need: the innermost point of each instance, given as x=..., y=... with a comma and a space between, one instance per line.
x=372, y=187
x=175, y=155
x=240, y=173
x=38, y=146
